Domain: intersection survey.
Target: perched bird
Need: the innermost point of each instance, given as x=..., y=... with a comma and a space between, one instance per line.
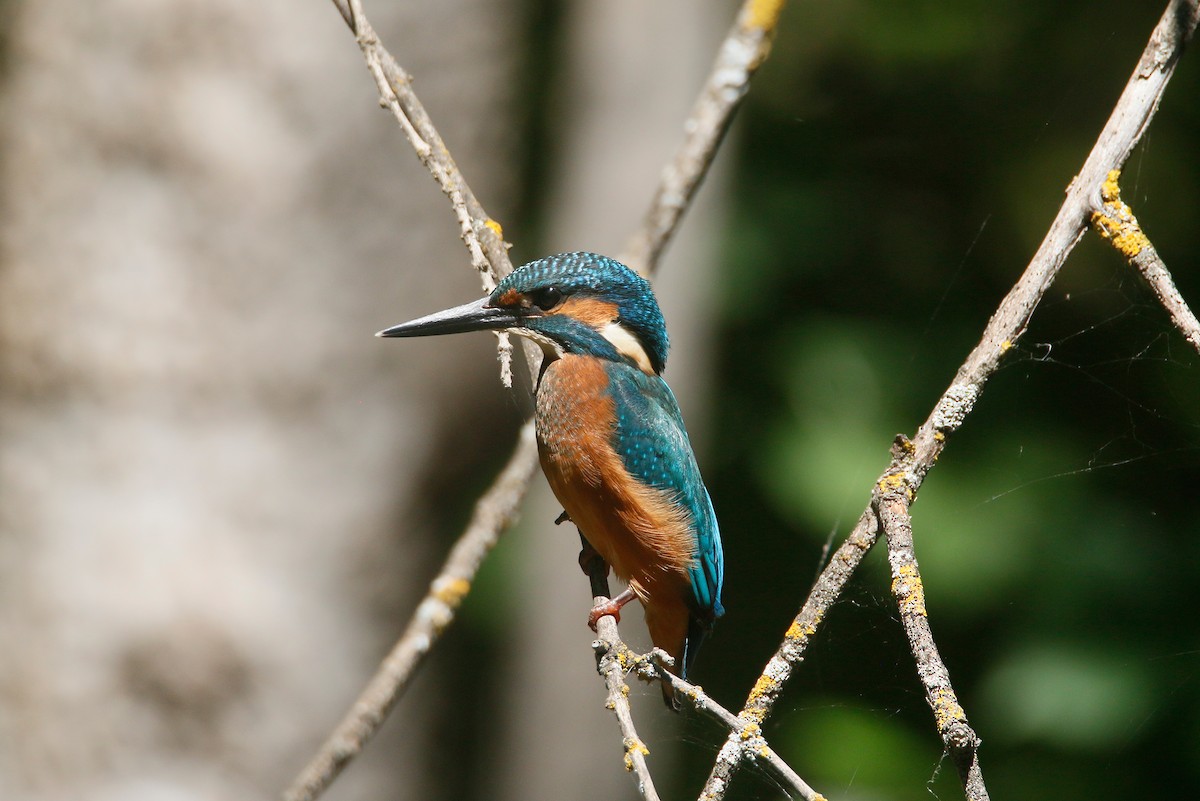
x=610, y=436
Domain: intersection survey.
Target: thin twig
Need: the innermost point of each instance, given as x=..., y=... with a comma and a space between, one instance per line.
x=1129, y=119
x=961, y=742
x=481, y=234
x=741, y=54
x=746, y=736
x=1116, y=223
x=494, y=512
x=613, y=660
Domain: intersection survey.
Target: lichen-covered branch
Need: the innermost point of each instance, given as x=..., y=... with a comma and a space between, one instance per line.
x=825, y=592
x=961, y=742
x=744, y=736
x=1115, y=222
x=741, y=54
x=494, y=512
x=1128, y=122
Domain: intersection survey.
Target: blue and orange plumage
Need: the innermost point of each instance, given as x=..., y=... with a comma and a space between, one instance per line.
x=610, y=435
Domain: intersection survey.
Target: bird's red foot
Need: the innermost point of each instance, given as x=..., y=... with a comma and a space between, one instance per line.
x=609, y=607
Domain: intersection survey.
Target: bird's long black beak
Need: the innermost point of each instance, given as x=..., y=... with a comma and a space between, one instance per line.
x=473, y=316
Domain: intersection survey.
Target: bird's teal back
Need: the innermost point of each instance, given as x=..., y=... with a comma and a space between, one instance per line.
x=653, y=445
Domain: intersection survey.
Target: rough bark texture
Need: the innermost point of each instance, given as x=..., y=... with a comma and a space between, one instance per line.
x=207, y=462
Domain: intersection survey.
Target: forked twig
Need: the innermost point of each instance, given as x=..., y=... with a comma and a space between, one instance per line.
x=1114, y=221
x=960, y=740
x=615, y=660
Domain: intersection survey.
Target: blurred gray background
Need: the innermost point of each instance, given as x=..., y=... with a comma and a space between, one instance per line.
x=221, y=496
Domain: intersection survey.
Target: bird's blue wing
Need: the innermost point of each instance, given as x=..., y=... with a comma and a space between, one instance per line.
x=654, y=447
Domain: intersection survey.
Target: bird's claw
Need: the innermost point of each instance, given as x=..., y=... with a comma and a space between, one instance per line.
x=605, y=609
x=609, y=606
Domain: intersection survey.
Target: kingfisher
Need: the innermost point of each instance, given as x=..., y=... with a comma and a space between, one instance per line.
x=611, y=439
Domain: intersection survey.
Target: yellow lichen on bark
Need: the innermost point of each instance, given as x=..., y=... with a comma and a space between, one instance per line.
x=908, y=588
x=946, y=709
x=634, y=745
x=763, y=15
x=1116, y=221
x=451, y=592
x=798, y=631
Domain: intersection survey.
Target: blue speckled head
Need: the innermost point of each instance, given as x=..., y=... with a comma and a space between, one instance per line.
x=590, y=276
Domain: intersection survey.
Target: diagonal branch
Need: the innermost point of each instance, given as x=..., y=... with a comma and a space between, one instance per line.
x=1128, y=122
x=481, y=234
x=494, y=512
x=744, y=50
x=1115, y=222
x=498, y=507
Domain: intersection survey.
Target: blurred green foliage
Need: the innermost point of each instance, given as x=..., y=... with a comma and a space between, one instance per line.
x=897, y=165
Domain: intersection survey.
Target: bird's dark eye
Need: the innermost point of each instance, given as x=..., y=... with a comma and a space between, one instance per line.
x=547, y=298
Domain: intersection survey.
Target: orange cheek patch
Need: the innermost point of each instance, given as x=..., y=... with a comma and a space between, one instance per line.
x=590, y=311
x=510, y=298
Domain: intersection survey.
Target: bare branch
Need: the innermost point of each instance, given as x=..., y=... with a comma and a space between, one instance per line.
x=481, y=234
x=1128, y=121
x=742, y=53
x=1116, y=223
x=960, y=739
x=494, y=512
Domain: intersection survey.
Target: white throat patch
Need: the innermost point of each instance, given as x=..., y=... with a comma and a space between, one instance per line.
x=627, y=344
x=550, y=348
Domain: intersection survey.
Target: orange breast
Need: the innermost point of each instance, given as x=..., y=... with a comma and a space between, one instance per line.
x=640, y=532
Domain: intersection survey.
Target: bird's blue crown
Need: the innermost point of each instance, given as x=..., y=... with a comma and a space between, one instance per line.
x=589, y=275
